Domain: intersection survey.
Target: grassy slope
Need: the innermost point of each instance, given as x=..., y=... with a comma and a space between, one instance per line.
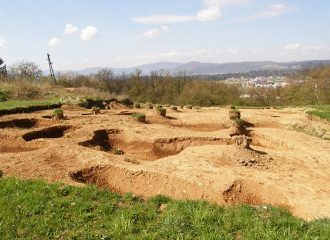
x=12, y=104
x=321, y=111
x=36, y=210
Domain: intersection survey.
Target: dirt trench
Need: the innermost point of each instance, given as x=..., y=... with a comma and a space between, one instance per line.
x=147, y=184
x=19, y=123
x=51, y=132
x=113, y=140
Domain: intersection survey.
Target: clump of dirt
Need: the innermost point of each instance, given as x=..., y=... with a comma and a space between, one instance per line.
x=51, y=132
x=247, y=157
x=242, y=141
x=240, y=193
x=117, y=106
x=19, y=123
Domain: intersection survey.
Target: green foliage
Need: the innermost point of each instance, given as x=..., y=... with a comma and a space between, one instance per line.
x=322, y=111
x=36, y=210
x=58, y=113
x=161, y=111
x=137, y=105
x=239, y=122
x=117, y=151
x=3, y=95
x=139, y=117
x=13, y=104
x=234, y=114
x=232, y=107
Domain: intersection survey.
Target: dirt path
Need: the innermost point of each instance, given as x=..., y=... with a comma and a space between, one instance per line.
x=188, y=155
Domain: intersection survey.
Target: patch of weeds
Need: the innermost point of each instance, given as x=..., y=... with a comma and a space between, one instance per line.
x=139, y=117
x=58, y=114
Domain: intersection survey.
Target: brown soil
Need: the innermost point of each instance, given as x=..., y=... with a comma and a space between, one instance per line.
x=186, y=155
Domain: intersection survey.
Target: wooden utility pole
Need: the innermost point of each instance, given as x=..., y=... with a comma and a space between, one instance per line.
x=51, y=70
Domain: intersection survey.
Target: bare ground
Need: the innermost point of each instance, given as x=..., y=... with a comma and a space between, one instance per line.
x=187, y=155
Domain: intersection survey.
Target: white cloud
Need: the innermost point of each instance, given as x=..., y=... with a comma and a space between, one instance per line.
x=274, y=11
x=293, y=46
x=209, y=14
x=163, y=19
x=53, y=42
x=88, y=33
x=3, y=42
x=221, y=3
x=152, y=33
x=155, y=32
x=70, y=29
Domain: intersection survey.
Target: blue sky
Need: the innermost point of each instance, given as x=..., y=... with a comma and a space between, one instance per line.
x=86, y=33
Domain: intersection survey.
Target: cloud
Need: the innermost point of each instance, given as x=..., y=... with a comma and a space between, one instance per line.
x=70, y=29
x=211, y=12
x=221, y=3
x=273, y=11
x=155, y=32
x=88, y=33
x=3, y=42
x=208, y=14
x=53, y=42
x=293, y=46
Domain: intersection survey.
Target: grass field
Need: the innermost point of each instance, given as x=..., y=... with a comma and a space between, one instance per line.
x=321, y=111
x=36, y=210
x=12, y=104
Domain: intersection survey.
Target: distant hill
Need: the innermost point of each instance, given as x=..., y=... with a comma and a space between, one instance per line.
x=200, y=68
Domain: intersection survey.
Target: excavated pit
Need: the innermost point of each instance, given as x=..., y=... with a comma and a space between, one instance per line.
x=9, y=144
x=19, y=123
x=116, y=142
x=51, y=132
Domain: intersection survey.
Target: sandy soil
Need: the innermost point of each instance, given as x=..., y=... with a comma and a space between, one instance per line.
x=187, y=155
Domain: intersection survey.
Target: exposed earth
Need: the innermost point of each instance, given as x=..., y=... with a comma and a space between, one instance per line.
x=187, y=155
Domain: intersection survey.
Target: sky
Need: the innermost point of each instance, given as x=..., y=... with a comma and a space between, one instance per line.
x=111, y=33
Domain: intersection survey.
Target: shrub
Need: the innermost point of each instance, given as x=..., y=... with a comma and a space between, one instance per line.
x=238, y=122
x=139, y=117
x=158, y=106
x=96, y=110
x=175, y=108
x=234, y=114
x=137, y=105
x=117, y=151
x=232, y=107
x=58, y=114
x=148, y=106
x=161, y=111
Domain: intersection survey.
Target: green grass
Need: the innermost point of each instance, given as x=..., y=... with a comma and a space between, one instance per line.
x=321, y=111
x=12, y=104
x=36, y=210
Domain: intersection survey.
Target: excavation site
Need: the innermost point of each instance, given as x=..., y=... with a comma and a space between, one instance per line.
x=211, y=154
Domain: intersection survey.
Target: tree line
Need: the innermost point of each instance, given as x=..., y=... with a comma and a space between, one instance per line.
x=305, y=87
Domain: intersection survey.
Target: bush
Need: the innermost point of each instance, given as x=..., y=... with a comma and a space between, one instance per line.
x=161, y=111
x=96, y=110
x=158, y=106
x=234, y=114
x=174, y=108
x=3, y=96
x=137, y=105
x=117, y=151
x=139, y=117
x=58, y=114
x=148, y=106
x=232, y=107
x=239, y=122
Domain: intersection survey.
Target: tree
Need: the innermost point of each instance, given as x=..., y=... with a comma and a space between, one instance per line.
x=3, y=69
x=105, y=77
x=26, y=70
